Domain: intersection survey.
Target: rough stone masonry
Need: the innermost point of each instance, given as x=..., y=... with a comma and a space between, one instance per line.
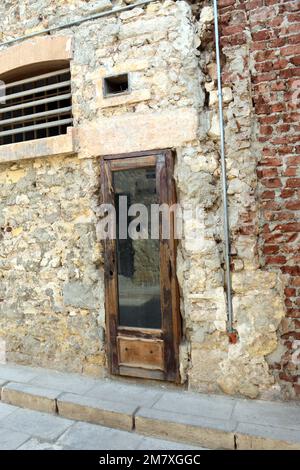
x=51, y=264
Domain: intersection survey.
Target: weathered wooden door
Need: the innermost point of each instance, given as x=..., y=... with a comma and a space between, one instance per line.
x=141, y=290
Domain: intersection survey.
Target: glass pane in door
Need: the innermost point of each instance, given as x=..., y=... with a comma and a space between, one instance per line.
x=138, y=259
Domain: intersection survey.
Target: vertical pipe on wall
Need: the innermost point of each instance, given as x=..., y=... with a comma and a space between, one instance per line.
x=224, y=179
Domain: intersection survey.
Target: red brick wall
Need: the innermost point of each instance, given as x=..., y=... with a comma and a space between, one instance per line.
x=271, y=29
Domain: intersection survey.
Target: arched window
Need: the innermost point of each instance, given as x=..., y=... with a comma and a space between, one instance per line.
x=36, y=103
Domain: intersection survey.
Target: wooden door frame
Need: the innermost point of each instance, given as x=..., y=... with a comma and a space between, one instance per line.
x=171, y=327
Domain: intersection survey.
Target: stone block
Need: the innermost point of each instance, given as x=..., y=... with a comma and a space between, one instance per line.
x=30, y=396
x=214, y=130
x=191, y=429
x=206, y=15
x=156, y=26
x=206, y=365
x=226, y=96
x=130, y=65
x=35, y=51
x=133, y=132
x=243, y=282
x=93, y=410
x=92, y=8
x=259, y=437
x=80, y=295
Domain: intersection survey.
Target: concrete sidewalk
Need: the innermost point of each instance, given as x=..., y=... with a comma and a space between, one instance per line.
x=135, y=411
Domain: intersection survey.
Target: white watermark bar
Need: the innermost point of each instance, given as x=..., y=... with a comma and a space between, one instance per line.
x=154, y=221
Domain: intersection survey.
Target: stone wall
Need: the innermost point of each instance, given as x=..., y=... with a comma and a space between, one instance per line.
x=51, y=291
x=51, y=271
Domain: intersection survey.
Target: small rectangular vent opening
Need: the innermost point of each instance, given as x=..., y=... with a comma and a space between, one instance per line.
x=115, y=85
x=36, y=107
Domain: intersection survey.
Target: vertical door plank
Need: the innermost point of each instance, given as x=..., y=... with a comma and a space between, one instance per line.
x=174, y=287
x=110, y=276
x=165, y=277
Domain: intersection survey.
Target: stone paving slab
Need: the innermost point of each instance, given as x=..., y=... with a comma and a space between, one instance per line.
x=192, y=429
x=256, y=436
x=16, y=373
x=10, y=439
x=36, y=424
x=90, y=409
x=5, y=410
x=161, y=444
x=125, y=393
x=195, y=404
x=72, y=383
x=86, y=436
x=35, y=444
x=268, y=413
x=30, y=396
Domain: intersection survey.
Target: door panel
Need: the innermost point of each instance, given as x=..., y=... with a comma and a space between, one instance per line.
x=138, y=352
x=141, y=290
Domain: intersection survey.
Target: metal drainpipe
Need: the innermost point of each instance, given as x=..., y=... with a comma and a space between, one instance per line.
x=78, y=22
x=231, y=332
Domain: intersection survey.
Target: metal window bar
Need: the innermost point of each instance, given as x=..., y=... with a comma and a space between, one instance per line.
x=36, y=107
x=34, y=79
x=30, y=104
x=41, y=89
x=36, y=126
x=36, y=116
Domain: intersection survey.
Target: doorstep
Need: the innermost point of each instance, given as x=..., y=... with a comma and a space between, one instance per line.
x=210, y=421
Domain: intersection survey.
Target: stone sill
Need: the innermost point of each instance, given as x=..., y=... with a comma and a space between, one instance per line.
x=46, y=147
x=134, y=132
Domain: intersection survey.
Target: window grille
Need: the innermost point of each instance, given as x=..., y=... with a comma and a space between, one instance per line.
x=36, y=107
